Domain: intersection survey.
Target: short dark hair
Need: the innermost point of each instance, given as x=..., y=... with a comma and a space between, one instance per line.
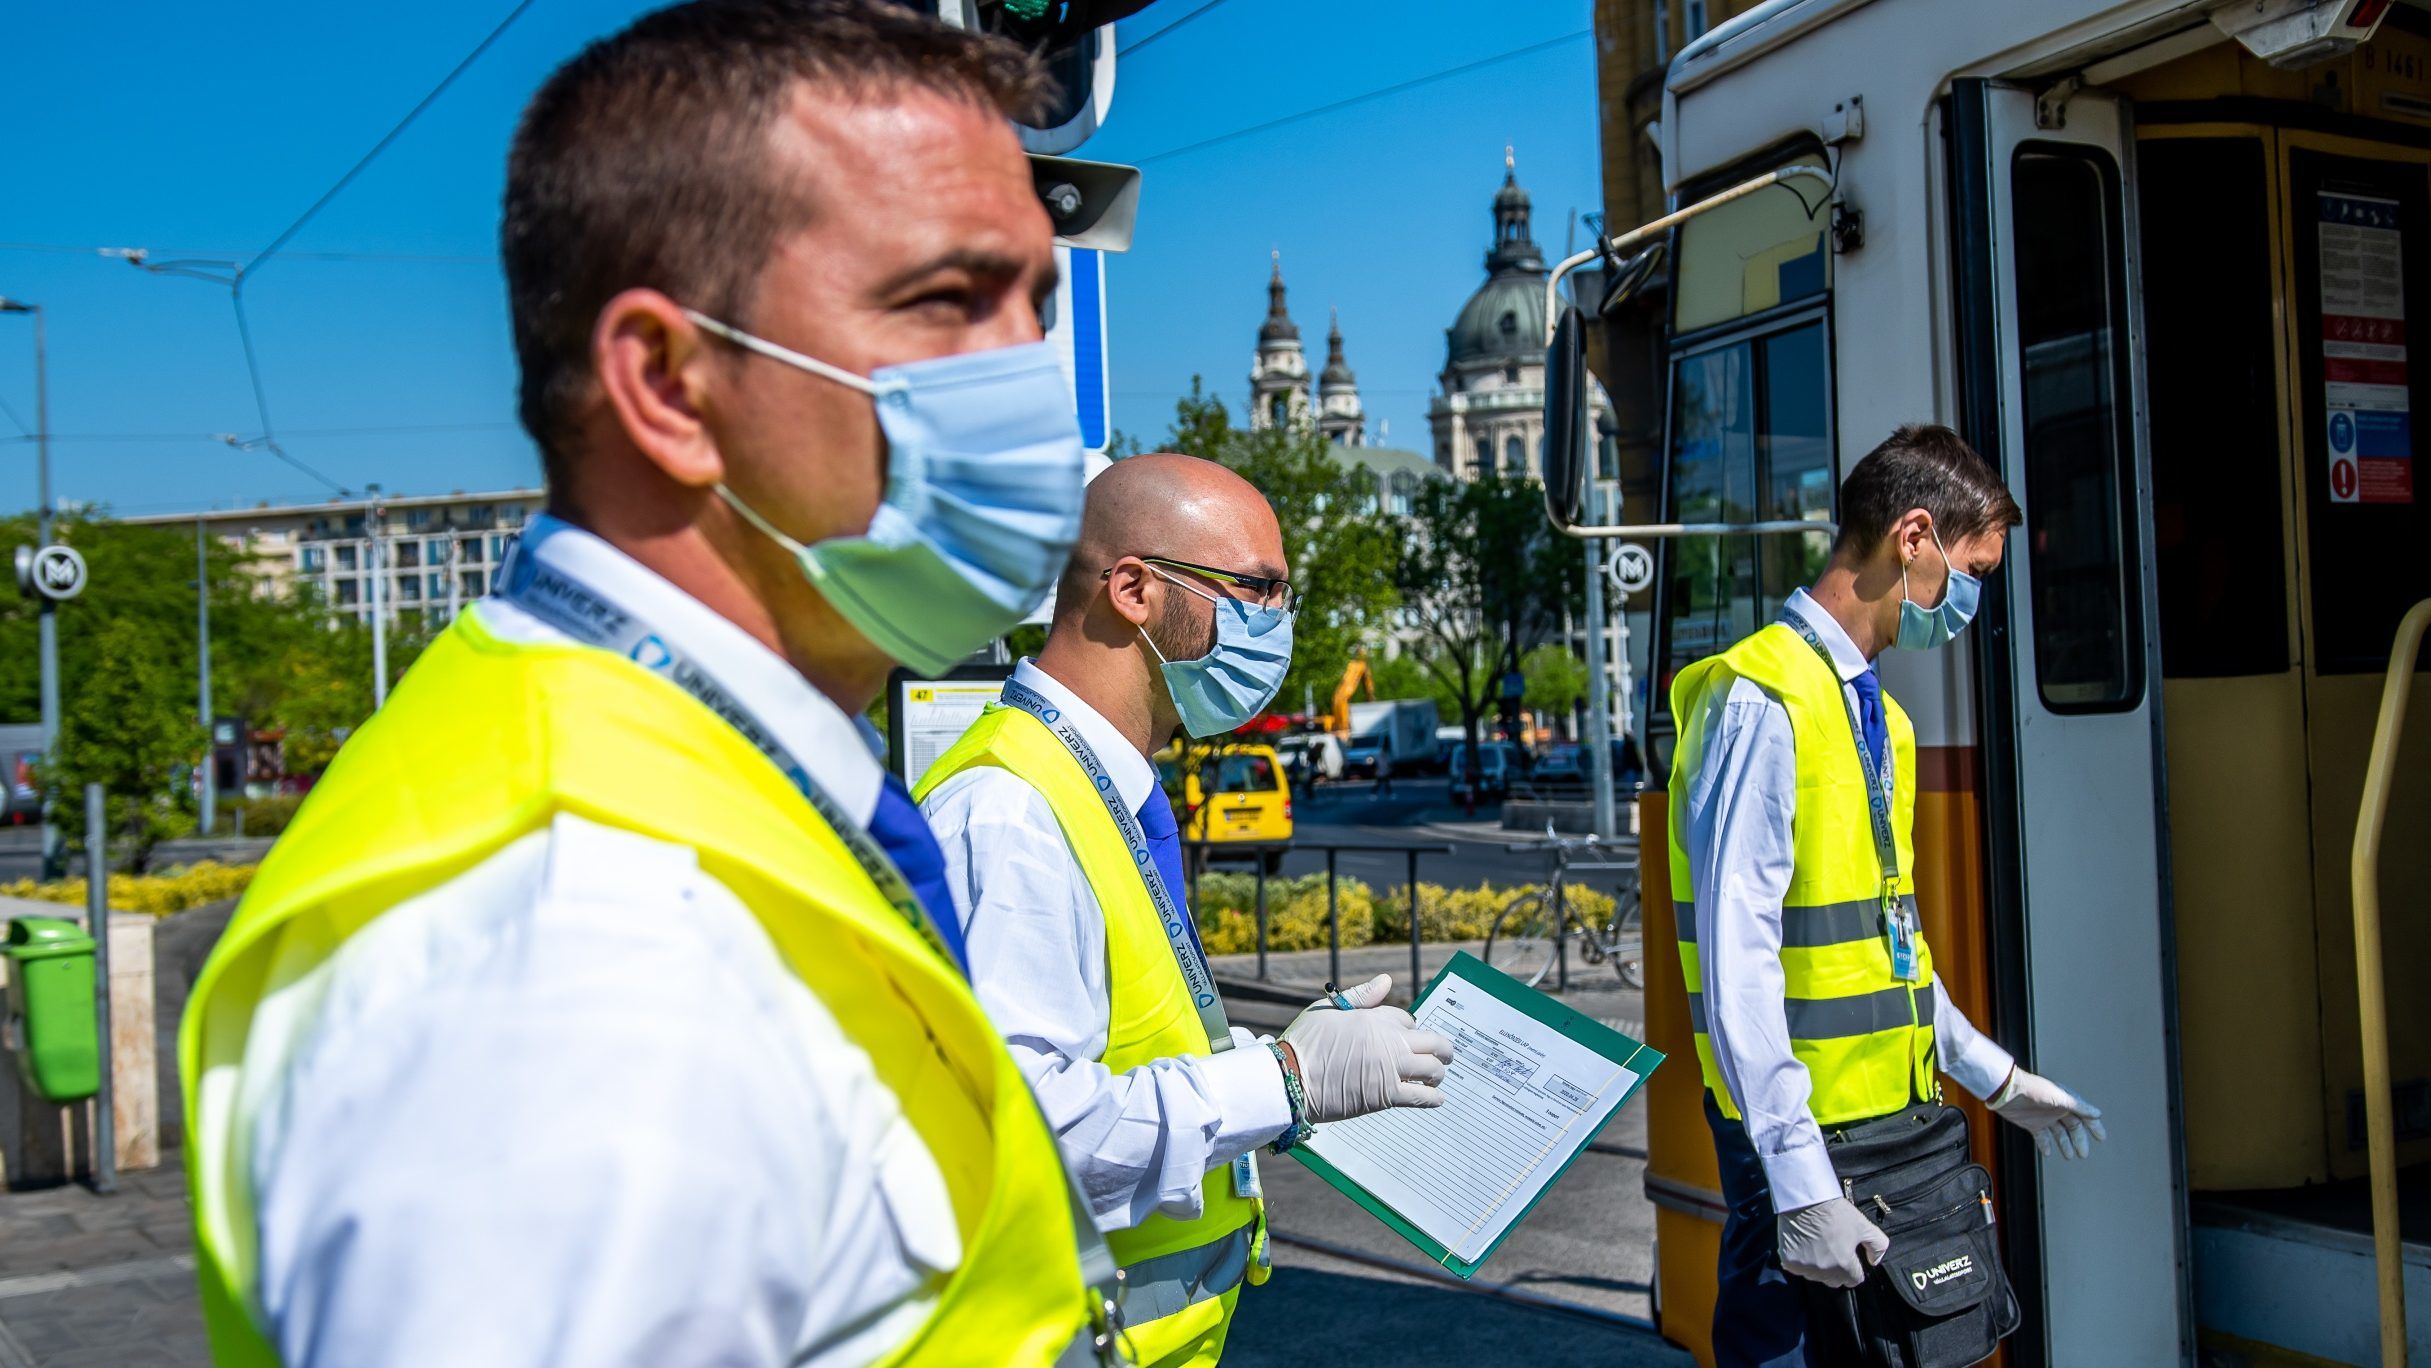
x=1927, y=466
x=644, y=162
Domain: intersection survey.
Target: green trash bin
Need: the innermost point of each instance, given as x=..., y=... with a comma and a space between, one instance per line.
x=51, y=1024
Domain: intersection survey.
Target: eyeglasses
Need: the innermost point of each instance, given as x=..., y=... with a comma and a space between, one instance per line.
x=1265, y=590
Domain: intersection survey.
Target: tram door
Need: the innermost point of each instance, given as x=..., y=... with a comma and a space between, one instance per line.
x=2043, y=266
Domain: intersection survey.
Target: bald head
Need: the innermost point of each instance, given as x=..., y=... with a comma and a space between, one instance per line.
x=1118, y=618
x=1171, y=506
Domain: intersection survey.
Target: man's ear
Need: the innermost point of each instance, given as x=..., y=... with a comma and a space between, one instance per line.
x=1127, y=589
x=1911, y=534
x=653, y=367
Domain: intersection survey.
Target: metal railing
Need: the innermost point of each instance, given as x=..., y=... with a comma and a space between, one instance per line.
x=1201, y=851
x=2371, y=1001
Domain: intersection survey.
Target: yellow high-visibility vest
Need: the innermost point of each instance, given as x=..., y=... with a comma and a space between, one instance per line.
x=1864, y=1034
x=487, y=740
x=1181, y=1279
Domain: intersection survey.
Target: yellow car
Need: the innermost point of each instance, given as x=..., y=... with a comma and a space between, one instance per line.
x=1228, y=794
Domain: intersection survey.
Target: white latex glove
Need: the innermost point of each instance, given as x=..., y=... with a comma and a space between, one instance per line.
x=2061, y=1122
x=1831, y=1243
x=1367, y=1059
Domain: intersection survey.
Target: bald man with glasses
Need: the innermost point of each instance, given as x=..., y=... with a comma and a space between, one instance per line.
x=1064, y=860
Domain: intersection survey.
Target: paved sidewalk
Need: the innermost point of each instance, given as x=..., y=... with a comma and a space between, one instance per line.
x=100, y=1282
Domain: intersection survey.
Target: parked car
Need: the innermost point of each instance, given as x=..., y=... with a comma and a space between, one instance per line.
x=1236, y=796
x=1489, y=773
x=1565, y=763
x=20, y=798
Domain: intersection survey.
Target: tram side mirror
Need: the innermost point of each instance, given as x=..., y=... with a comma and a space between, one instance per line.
x=1568, y=427
x=1626, y=278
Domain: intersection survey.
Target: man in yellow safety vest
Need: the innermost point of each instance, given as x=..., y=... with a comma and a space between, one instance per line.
x=1064, y=855
x=604, y=1003
x=1810, y=987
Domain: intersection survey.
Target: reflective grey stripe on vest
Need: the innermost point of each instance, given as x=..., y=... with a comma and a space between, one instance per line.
x=1171, y=1283
x=1807, y=928
x=1841, y=1017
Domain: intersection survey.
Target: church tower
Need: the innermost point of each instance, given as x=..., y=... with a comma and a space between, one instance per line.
x=1278, y=378
x=1339, y=415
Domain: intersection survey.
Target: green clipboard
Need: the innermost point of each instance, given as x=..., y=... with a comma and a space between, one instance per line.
x=1633, y=1055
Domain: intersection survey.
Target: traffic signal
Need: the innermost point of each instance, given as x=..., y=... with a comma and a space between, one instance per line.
x=1075, y=38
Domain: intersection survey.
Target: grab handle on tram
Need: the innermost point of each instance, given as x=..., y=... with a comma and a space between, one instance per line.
x=2370, y=999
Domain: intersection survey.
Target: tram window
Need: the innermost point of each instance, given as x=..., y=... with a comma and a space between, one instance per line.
x=2212, y=387
x=1750, y=255
x=1750, y=440
x=2088, y=644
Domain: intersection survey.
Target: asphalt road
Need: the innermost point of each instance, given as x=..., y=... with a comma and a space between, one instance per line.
x=21, y=852
x=1415, y=811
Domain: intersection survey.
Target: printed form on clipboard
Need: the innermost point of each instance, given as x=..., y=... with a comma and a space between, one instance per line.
x=1531, y=1082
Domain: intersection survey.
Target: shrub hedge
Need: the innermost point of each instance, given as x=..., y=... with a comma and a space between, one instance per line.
x=171, y=890
x=1295, y=911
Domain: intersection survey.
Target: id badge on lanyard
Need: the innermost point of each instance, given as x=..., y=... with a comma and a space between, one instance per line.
x=1245, y=1177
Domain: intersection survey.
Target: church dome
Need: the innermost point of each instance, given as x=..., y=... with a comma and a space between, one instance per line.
x=1505, y=319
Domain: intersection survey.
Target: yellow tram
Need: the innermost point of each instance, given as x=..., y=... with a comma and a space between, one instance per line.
x=2157, y=262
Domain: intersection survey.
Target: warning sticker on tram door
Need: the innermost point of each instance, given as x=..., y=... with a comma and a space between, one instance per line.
x=2365, y=385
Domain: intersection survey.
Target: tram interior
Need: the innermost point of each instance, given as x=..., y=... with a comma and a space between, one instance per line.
x=2280, y=210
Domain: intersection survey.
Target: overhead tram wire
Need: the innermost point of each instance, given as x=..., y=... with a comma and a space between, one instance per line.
x=1412, y=84
x=1125, y=52
x=238, y=272
x=406, y=258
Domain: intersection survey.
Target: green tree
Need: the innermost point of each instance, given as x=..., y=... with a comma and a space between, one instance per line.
x=1342, y=550
x=1484, y=579
x=125, y=727
x=276, y=662
x=1554, y=679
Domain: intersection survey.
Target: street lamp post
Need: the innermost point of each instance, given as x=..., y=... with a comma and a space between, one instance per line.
x=379, y=615
x=209, y=798
x=54, y=857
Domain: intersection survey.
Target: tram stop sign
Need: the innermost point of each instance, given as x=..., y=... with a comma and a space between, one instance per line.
x=1631, y=568
x=55, y=573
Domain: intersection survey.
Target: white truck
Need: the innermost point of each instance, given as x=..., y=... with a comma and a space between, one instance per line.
x=1400, y=731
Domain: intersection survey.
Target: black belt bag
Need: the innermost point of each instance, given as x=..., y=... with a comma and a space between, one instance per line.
x=1939, y=1298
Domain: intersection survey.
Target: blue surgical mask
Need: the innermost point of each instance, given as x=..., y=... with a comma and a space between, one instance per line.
x=1922, y=629
x=1236, y=679
x=983, y=498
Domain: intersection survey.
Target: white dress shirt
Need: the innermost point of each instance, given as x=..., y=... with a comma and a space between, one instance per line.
x=1139, y=1142
x=571, y=1107
x=1740, y=805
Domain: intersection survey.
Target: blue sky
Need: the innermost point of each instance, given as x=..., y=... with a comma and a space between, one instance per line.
x=206, y=130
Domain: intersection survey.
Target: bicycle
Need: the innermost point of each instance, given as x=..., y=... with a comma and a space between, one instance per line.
x=1535, y=930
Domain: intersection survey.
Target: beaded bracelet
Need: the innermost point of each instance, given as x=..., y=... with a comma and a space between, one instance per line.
x=1300, y=1128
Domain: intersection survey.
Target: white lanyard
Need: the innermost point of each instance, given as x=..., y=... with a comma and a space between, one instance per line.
x=594, y=619
x=1180, y=933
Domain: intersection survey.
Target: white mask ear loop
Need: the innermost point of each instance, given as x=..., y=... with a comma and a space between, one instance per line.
x=757, y=521
x=790, y=357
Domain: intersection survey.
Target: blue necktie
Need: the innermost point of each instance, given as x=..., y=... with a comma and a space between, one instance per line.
x=904, y=835
x=1165, y=847
x=1869, y=716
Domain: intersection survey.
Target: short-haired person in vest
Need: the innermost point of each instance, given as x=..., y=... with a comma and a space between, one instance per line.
x=604, y=1003
x=1064, y=856
x=1810, y=986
